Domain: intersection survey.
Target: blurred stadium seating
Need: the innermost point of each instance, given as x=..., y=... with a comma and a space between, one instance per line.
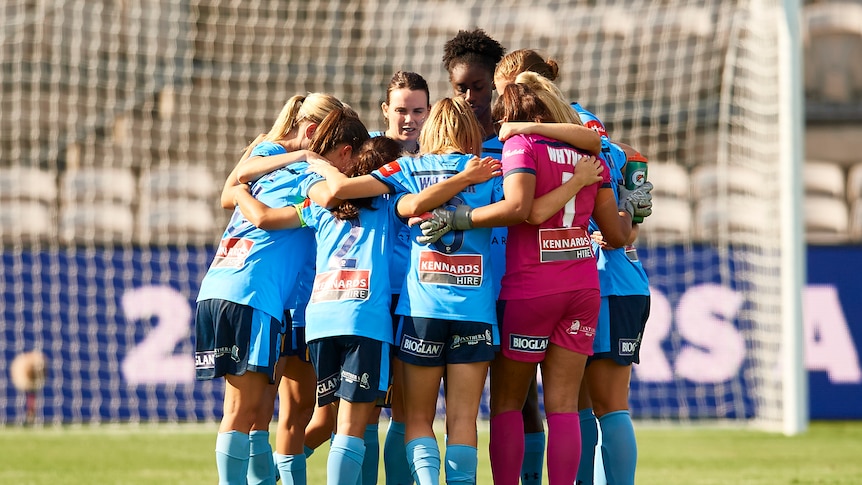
x=115, y=184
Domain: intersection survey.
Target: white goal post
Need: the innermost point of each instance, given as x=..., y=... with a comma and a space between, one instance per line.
x=120, y=120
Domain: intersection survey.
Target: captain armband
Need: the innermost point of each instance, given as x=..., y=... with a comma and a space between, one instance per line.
x=298, y=208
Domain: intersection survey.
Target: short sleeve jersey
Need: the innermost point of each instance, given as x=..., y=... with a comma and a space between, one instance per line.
x=555, y=256
x=451, y=278
x=350, y=295
x=255, y=267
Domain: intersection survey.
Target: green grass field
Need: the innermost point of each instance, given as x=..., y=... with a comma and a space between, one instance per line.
x=829, y=453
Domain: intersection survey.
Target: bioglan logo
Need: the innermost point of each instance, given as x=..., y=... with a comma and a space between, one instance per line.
x=421, y=348
x=527, y=343
x=327, y=386
x=205, y=360
x=628, y=346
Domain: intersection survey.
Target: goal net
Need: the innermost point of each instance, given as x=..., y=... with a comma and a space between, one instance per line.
x=120, y=120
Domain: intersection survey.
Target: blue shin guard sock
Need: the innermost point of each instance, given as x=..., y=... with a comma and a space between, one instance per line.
x=260, y=464
x=231, y=453
x=291, y=469
x=534, y=458
x=344, y=464
x=589, y=439
x=619, y=447
x=371, y=461
x=424, y=457
x=395, y=462
x=461, y=462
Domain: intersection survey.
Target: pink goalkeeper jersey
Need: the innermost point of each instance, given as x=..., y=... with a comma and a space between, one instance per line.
x=556, y=256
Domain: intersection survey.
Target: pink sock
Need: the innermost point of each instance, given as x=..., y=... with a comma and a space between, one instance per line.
x=507, y=447
x=564, y=447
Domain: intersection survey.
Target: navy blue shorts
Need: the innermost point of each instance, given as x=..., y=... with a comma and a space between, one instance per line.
x=434, y=342
x=231, y=339
x=627, y=317
x=294, y=344
x=355, y=369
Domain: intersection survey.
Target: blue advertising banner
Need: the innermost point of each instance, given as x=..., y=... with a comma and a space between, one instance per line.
x=115, y=328
x=833, y=331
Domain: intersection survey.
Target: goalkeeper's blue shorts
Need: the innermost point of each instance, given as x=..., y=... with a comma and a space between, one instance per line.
x=627, y=317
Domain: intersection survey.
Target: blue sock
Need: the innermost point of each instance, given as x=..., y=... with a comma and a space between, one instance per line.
x=619, y=447
x=424, y=457
x=308, y=451
x=291, y=469
x=344, y=464
x=231, y=453
x=589, y=439
x=260, y=465
x=461, y=462
x=371, y=461
x=534, y=458
x=395, y=462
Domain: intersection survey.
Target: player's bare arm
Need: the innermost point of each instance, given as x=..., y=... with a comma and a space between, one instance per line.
x=578, y=136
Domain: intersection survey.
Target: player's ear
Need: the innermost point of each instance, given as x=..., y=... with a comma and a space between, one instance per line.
x=347, y=152
x=384, y=107
x=310, y=129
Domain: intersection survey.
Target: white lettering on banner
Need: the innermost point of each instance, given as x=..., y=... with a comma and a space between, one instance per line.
x=153, y=361
x=713, y=349
x=828, y=343
x=704, y=318
x=654, y=366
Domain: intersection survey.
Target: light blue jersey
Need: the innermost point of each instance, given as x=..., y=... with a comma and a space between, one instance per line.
x=401, y=251
x=450, y=279
x=351, y=296
x=620, y=272
x=255, y=267
x=493, y=147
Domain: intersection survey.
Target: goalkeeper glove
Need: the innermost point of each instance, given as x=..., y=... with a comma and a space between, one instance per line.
x=637, y=202
x=442, y=220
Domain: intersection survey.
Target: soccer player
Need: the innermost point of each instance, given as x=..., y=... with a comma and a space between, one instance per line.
x=242, y=302
x=624, y=281
x=550, y=291
x=289, y=139
x=408, y=101
x=470, y=58
x=347, y=294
